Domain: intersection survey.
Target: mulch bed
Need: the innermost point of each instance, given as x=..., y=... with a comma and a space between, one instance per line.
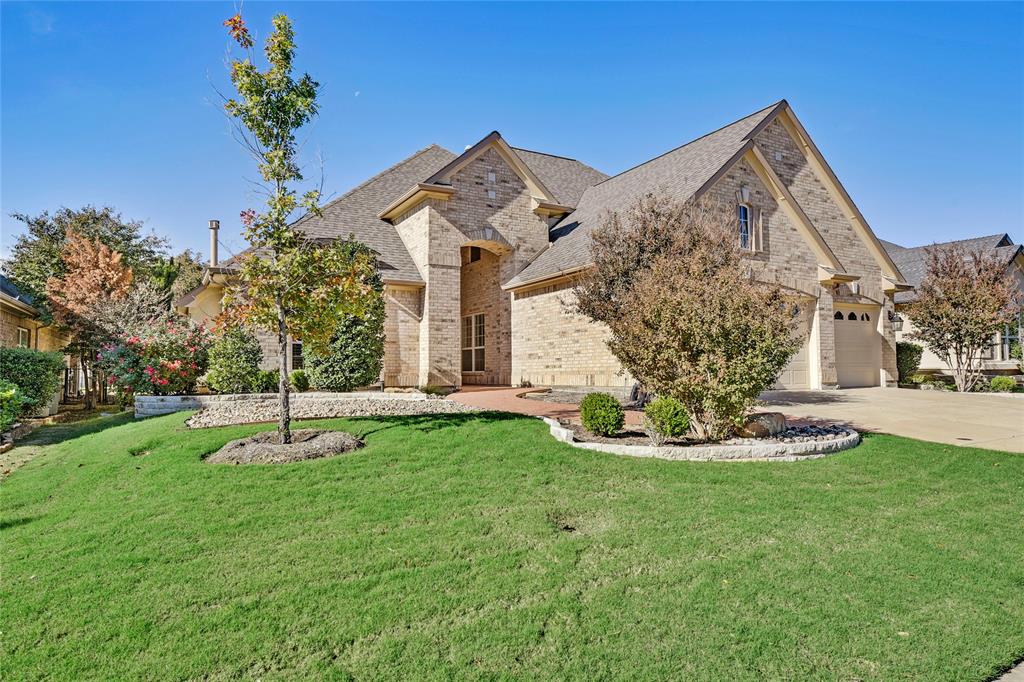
x=265, y=448
x=627, y=437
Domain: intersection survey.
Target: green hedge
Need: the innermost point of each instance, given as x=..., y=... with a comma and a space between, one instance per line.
x=355, y=356
x=36, y=373
x=235, y=362
x=908, y=359
x=11, y=404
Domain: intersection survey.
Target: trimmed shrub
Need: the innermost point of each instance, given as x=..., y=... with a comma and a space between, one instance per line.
x=354, y=357
x=602, y=414
x=37, y=374
x=12, y=403
x=667, y=417
x=1003, y=384
x=908, y=359
x=266, y=382
x=300, y=380
x=234, y=361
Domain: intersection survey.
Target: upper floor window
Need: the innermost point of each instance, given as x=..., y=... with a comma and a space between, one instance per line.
x=746, y=239
x=24, y=338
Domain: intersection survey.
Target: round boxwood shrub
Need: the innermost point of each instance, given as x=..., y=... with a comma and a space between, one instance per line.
x=234, y=362
x=266, y=381
x=668, y=417
x=602, y=414
x=12, y=402
x=299, y=380
x=354, y=357
x=1003, y=384
x=37, y=374
x=908, y=359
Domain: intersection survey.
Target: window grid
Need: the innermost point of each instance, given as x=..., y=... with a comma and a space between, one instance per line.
x=24, y=338
x=746, y=239
x=473, y=343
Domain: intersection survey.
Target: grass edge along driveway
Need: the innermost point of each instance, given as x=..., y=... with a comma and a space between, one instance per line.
x=476, y=546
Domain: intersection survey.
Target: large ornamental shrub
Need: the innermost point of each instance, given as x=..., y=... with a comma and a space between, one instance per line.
x=168, y=361
x=36, y=373
x=602, y=414
x=691, y=317
x=235, y=361
x=355, y=355
x=12, y=403
x=908, y=359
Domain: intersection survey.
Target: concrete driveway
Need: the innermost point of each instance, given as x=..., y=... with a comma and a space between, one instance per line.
x=982, y=420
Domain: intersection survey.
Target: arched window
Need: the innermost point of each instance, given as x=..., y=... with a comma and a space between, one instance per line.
x=864, y=317
x=852, y=316
x=837, y=316
x=743, y=213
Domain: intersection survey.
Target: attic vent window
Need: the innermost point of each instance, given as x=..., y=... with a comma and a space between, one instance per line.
x=491, y=194
x=491, y=177
x=474, y=254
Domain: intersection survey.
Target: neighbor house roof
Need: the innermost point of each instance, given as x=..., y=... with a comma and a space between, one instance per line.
x=681, y=173
x=13, y=296
x=913, y=261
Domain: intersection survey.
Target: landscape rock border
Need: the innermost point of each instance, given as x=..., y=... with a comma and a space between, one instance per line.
x=741, y=452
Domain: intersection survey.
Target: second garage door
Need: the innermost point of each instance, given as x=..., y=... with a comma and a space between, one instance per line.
x=858, y=347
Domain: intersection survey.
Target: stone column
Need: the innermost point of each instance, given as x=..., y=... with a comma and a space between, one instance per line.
x=825, y=340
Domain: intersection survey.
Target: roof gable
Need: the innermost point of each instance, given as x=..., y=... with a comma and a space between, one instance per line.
x=494, y=140
x=682, y=172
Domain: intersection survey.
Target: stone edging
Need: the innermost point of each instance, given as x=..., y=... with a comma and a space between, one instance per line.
x=759, y=452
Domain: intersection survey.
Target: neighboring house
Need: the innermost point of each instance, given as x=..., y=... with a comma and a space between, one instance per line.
x=913, y=263
x=479, y=252
x=21, y=326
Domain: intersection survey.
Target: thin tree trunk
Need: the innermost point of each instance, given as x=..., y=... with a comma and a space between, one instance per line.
x=87, y=376
x=284, y=423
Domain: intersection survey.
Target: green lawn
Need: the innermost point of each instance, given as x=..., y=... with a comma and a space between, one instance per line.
x=477, y=546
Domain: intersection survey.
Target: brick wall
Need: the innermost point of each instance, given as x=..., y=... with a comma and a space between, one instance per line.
x=553, y=346
x=403, y=313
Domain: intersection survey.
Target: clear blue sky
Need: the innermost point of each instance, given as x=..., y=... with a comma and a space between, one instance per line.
x=918, y=107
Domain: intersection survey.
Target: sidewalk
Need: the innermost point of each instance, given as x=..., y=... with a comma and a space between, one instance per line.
x=506, y=399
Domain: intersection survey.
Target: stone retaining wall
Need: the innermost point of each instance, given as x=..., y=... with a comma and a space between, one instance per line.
x=153, y=405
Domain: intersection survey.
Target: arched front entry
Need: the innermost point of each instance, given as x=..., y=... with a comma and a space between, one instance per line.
x=485, y=316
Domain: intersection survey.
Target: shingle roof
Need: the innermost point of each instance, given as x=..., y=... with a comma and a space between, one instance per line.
x=355, y=212
x=680, y=173
x=9, y=288
x=912, y=261
x=566, y=178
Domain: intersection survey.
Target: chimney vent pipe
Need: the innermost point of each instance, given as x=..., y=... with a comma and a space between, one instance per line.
x=214, y=228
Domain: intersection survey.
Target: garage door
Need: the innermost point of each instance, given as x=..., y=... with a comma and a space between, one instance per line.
x=797, y=373
x=858, y=347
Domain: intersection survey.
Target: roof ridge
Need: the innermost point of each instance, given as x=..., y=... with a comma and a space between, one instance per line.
x=696, y=139
x=384, y=172
x=1000, y=235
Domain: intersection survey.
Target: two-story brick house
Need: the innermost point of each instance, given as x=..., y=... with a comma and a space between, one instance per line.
x=479, y=252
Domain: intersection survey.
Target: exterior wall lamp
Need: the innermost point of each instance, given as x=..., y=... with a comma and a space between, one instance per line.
x=896, y=321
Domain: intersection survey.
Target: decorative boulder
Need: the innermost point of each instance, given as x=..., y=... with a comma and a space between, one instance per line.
x=762, y=425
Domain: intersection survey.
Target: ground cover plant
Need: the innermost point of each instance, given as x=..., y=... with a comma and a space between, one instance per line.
x=477, y=546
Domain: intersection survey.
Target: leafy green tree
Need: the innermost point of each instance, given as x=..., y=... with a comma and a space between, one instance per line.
x=290, y=286
x=37, y=255
x=355, y=355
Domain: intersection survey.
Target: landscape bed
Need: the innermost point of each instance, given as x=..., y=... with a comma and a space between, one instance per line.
x=475, y=545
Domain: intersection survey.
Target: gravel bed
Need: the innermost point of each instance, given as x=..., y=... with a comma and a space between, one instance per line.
x=793, y=434
x=251, y=411
x=264, y=448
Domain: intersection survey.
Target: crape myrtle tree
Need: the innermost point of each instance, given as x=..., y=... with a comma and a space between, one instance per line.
x=688, y=318
x=93, y=275
x=965, y=298
x=288, y=285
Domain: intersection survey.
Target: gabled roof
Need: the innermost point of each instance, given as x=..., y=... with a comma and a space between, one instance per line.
x=682, y=173
x=566, y=178
x=913, y=261
x=355, y=212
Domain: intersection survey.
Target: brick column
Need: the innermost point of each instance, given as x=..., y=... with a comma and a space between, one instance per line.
x=825, y=340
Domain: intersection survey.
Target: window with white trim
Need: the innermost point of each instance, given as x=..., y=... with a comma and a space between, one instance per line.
x=473, y=343
x=24, y=338
x=745, y=227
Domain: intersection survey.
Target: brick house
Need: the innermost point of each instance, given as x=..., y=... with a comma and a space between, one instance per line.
x=479, y=251
x=912, y=261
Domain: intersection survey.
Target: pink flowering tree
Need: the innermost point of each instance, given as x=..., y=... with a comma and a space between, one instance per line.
x=167, y=361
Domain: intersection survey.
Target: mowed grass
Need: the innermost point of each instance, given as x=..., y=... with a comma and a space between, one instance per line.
x=478, y=547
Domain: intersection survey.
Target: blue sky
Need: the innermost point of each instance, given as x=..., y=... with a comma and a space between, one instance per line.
x=918, y=107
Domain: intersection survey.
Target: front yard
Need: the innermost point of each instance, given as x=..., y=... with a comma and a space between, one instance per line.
x=477, y=546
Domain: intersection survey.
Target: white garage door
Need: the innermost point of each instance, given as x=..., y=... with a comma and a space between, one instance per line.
x=858, y=347
x=797, y=373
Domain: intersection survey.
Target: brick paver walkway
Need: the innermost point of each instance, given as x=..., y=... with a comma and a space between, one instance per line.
x=507, y=399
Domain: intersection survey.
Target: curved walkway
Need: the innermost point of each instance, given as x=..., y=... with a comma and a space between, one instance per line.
x=506, y=399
